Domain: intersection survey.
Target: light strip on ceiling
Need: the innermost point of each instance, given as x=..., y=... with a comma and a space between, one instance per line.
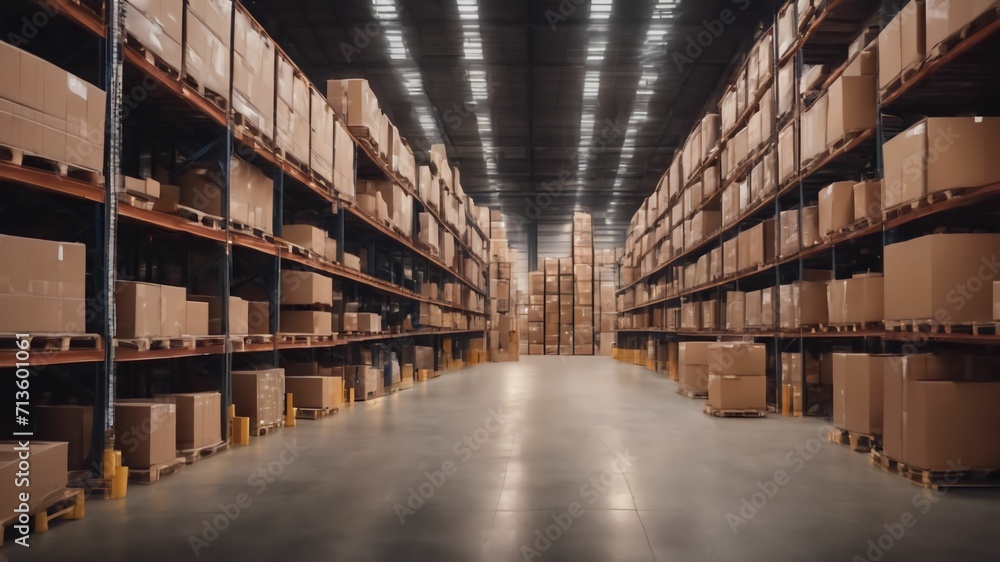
x=386, y=12
x=472, y=46
x=600, y=12
x=661, y=22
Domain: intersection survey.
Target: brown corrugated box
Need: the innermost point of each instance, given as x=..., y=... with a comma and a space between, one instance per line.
x=788, y=153
x=939, y=154
x=305, y=322
x=47, y=475
x=940, y=278
x=41, y=285
x=198, y=418
x=137, y=309
x=306, y=288
x=197, y=319
x=852, y=107
x=730, y=256
x=868, y=201
x=305, y=235
x=146, y=432
x=940, y=424
x=737, y=359
x=157, y=25
x=947, y=17
x=752, y=309
x=692, y=366
x=803, y=303
x=857, y=300
x=291, y=116
x=253, y=73
x=756, y=246
x=836, y=207
x=206, y=45
x=728, y=392
x=72, y=424
x=259, y=395
x=858, y=391
x=239, y=323
x=735, y=310
x=316, y=392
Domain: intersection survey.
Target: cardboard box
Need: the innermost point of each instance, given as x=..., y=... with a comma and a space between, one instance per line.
x=41, y=286
x=692, y=366
x=737, y=359
x=858, y=391
x=369, y=323
x=47, y=475
x=814, y=130
x=938, y=154
x=315, y=392
x=72, y=424
x=752, y=309
x=935, y=425
x=305, y=288
x=239, y=314
x=198, y=418
x=173, y=311
x=158, y=27
x=945, y=18
x=197, y=319
x=307, y=236
x=735, y=310
x=868, y=201
x=852, y=107
x=146, y=433
x=305, y=322
x=260, y=396
x=768, y=301
x=137, y=309
x=253, y=73
x=727, y=392
x=803, y=303
x=859, y=300
x=836, y=207
x=934, y=277
x=788, y=153
x=756, y=246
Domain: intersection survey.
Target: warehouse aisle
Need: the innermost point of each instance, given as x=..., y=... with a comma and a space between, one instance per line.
x=547, y=459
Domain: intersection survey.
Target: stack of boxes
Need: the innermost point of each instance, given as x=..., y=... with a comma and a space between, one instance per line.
x=736, y=376
x=306, y=301
x=565, y=302
x=536, y=313
x=503, y=338
x=42, y=286
x=583, y=270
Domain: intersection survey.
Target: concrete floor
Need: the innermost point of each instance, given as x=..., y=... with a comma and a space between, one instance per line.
x=634, y=471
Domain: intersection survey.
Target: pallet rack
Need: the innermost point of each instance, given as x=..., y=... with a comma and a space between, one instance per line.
x=132, y=242
x=952, y=83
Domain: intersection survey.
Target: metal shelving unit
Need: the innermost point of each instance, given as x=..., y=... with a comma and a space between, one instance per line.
x=131, y=242
x=950, y=84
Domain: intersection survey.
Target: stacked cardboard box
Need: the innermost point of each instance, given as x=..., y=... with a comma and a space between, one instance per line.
x=47, y=112
x=42, y=286
x=251, y=192
x=146, y=432
x=206, y=47
x=260, y=396
x=253, y=74
x=306, y=298
x=736, y=376
x=157, y=26
x=292, y=113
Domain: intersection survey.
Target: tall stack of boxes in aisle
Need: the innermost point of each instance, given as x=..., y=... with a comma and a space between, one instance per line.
x=605, y=310
x=49, y=113
x=503, y=340
x=583, y=272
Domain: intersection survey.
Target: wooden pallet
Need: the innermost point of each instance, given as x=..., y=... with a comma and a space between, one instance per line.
x=327, y=183
x=935, y=327
x=151, y=343
x=192, y=456
x=847, y=230
x=53, y=342
x=19, y=157
x=747, y=413
x=252, y=231
x=217, y=99
x=69, y=505
x=305, y=253
x=151, y=57
x=693, y=395
x=136, y=201
x=292, y=160
x=901, y=80
x=314, y=413
x=250, y=133
x=858, y=442
x=153, y=474
x=843, y=328
x=264, y=429
x=936, y=479
x=364, y=136
x=198, y=217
